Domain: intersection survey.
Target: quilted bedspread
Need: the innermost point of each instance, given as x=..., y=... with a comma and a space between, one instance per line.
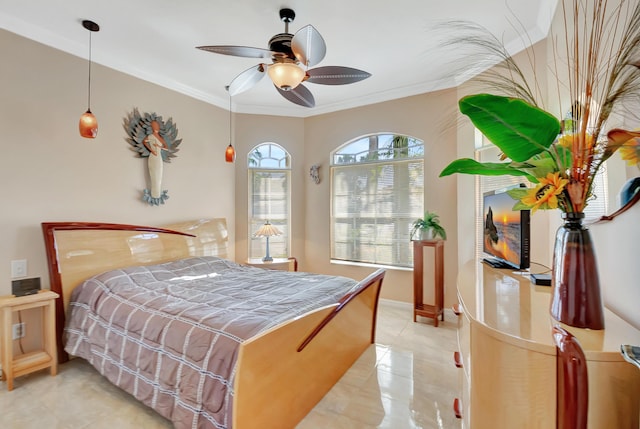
x=169, y=334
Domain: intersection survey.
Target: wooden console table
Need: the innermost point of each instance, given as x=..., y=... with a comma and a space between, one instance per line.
x=419, y=307
x=507, y=356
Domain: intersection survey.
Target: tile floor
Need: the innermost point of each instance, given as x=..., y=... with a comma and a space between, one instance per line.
x=406, y=380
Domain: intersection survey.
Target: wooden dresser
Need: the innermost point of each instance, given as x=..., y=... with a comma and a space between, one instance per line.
x=507, y=357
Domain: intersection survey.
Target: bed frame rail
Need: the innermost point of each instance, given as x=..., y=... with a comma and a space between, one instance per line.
x=284, y=372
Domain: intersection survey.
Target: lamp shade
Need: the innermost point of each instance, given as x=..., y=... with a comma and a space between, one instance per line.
x=286, y=76
x=267, y=230
x=230, y=154
x=88, y=125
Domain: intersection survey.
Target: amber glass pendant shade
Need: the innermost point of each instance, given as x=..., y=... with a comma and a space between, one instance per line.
x=230, y=154
x=88, y=125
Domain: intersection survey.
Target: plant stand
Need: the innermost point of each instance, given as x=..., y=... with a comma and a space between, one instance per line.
x=420, y=308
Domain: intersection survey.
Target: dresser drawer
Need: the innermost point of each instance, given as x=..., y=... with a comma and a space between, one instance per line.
x=464, y=340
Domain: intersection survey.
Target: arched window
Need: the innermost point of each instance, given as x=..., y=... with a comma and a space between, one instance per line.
x=377, y=192
x=269, y=166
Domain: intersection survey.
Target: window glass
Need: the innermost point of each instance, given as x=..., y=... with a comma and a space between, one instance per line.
x=377, y=191
x=269, y=166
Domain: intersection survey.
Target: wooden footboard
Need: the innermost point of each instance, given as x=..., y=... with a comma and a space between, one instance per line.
x=283, y=373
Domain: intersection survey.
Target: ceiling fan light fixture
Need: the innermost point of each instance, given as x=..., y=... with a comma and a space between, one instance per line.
x=286, y=75
x=292, y=55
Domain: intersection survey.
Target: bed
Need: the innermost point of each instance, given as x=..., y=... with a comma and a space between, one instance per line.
x=279, y=364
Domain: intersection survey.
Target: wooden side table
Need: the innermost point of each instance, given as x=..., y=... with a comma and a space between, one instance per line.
x=419, y=307
x=36, y=360
x=284, y=264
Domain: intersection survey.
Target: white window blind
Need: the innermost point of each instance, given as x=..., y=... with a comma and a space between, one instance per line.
x=377, y=193
x=269, y=198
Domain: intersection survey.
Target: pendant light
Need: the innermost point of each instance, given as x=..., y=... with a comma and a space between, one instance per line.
x=88, y=122
x=230, y=153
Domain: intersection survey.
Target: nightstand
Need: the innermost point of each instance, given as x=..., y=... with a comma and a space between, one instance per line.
x=13, y=367
x=284, y=264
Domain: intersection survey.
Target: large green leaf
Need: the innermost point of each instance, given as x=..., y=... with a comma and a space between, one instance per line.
x=471, y=166
x=538, y=166
x=519, y=129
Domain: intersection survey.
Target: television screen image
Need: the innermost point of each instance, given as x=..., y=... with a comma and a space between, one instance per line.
x=505, y=232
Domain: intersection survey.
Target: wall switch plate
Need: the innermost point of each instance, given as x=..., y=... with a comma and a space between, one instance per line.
x=18, y=331
x=18, y=268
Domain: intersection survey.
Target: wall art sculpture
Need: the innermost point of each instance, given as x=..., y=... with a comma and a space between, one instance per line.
x=314, y=172
x=152, y=138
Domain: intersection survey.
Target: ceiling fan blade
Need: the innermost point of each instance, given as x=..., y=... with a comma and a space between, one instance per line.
x=238, y=51
x=336, y=75
x=247, y=79
x=308, y=46
x=299, y=95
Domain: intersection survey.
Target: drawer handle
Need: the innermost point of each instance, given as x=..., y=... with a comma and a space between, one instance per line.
x=457, y=310
x=457, y=408
x=457, y=359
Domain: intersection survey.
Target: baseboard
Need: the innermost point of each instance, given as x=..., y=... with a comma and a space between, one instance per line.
x=397, y=304
x=408, y=306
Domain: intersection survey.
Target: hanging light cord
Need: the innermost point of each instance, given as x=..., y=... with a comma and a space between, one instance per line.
x=89, y=85
x=230, y=124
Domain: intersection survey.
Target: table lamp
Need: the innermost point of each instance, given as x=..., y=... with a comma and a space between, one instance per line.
x=267, y=230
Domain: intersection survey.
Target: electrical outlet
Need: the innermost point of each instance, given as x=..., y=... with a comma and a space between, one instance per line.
x=18, y=330
x=18, y=268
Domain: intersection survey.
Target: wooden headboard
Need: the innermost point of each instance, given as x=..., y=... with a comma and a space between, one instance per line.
x=79, y=250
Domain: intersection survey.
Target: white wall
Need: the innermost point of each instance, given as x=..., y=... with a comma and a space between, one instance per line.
x=49, y=173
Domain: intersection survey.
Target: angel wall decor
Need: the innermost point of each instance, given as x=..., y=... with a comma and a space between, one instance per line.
x=314, y=172
x=152, y=138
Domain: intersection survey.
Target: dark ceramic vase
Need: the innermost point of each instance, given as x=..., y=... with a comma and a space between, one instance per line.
x=575, y=283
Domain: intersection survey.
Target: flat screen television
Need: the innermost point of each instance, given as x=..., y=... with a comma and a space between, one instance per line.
x=506, y=232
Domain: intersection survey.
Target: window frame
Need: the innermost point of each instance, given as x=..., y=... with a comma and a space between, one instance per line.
x=399, y=245
x=256, y=247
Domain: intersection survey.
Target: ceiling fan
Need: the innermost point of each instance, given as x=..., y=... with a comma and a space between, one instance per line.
x=291, y=54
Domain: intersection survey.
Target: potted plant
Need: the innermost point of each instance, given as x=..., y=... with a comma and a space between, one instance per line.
x=429, y=227
x=561, y=155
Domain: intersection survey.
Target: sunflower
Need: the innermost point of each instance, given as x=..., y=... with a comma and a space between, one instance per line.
x=602, y=77
x=630, y=151
x=545, y=195
x=569, y=140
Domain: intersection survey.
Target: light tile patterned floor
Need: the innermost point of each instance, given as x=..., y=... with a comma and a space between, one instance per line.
x=406, y=380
